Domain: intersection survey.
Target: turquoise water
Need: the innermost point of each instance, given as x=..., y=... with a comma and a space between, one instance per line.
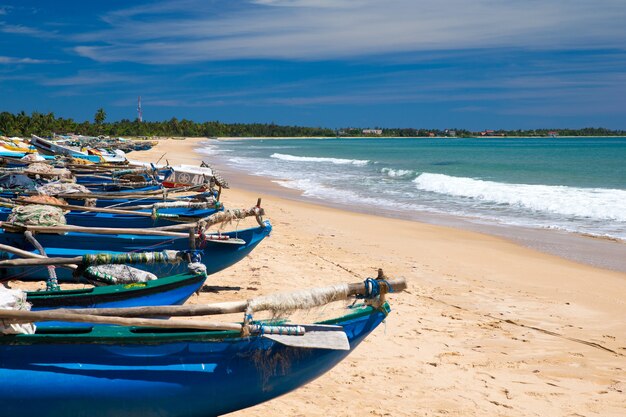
x=577, y=185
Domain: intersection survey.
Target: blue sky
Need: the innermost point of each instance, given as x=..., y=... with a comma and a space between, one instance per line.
x=476, y=64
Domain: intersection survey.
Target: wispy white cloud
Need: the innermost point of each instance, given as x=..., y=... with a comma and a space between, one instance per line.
x=14, y=60
x=196, y=31
x=86, y=78
x=27, y=31
x=510, y=93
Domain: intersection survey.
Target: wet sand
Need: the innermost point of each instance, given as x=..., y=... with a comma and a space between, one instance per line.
x=488, y=326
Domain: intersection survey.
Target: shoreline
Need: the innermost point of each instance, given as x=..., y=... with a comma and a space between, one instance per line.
x=487, y=327
x=229, y=138
x=597, y=251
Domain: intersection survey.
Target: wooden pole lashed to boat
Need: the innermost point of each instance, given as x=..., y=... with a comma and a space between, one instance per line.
x=90, y=209
x=216, y=218
x=36, y=259
x=354, y=289
x=299, y=336
x=85, y=208
x=24, y=316
x=14, y=227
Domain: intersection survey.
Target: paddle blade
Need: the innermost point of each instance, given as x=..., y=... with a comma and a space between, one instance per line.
x=230, y=241
x=315, y=337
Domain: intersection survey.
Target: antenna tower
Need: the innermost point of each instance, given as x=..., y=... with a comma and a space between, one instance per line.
x=139, y=111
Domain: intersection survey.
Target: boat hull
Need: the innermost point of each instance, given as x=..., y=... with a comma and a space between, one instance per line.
x=216, y=255
x=112, y=220
x=145, y=373
x=173, y=290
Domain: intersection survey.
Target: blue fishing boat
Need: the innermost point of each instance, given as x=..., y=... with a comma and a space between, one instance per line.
x=122, y=187
x=218, y=252
x=61, y=147
x=112, y=220
x=172, y=290
x=149, y=200
x=111, y=200
x=147, y=372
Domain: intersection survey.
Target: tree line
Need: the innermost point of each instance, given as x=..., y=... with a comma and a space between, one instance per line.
x=40, y=124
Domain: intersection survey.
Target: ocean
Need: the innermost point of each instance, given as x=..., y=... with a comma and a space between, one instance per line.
x=571, y=184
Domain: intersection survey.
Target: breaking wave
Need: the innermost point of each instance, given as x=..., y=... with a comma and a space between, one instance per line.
x=593, y=203
x=397, y=173
x=338, y=161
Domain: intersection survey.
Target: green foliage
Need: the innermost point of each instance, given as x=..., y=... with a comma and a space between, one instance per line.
x=100, y=116
x=40, y=124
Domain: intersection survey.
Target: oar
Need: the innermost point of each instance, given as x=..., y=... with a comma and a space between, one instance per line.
x=300, y=336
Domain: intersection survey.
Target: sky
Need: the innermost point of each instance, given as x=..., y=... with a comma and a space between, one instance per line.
x=475, y=64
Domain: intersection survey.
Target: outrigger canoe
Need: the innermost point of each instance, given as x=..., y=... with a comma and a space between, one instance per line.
x=112, y=220
x=218, y=251
x=172, y=290
x=147, y=372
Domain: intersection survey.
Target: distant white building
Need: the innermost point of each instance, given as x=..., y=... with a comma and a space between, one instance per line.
x=372, y=131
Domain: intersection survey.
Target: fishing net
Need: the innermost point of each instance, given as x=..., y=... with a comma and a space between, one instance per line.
x=56, y=188
x=80, y=161
x=32, y=157
x=118, y=274
x=44, y=199
x=37, y=215
x=40, y=168
x=14, y=300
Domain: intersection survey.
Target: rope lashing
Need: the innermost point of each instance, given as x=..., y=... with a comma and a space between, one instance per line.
x=178, y=204
x=168, y=256
x=227, y=216
x=195, y=255
x=372, y=288
x=262, y=329
x=197, y=268
x=375, y=290
x=279, y=304
x=131, y=171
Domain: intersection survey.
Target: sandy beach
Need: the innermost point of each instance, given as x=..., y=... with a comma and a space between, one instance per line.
x=487, y=327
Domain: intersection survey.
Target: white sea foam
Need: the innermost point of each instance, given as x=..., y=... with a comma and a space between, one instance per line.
x=397, y=173
x=593, y=203
x=315, y=189
x=338, y=161
x=212, y=150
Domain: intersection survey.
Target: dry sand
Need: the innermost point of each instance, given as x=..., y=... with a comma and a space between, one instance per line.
x=486, y=328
